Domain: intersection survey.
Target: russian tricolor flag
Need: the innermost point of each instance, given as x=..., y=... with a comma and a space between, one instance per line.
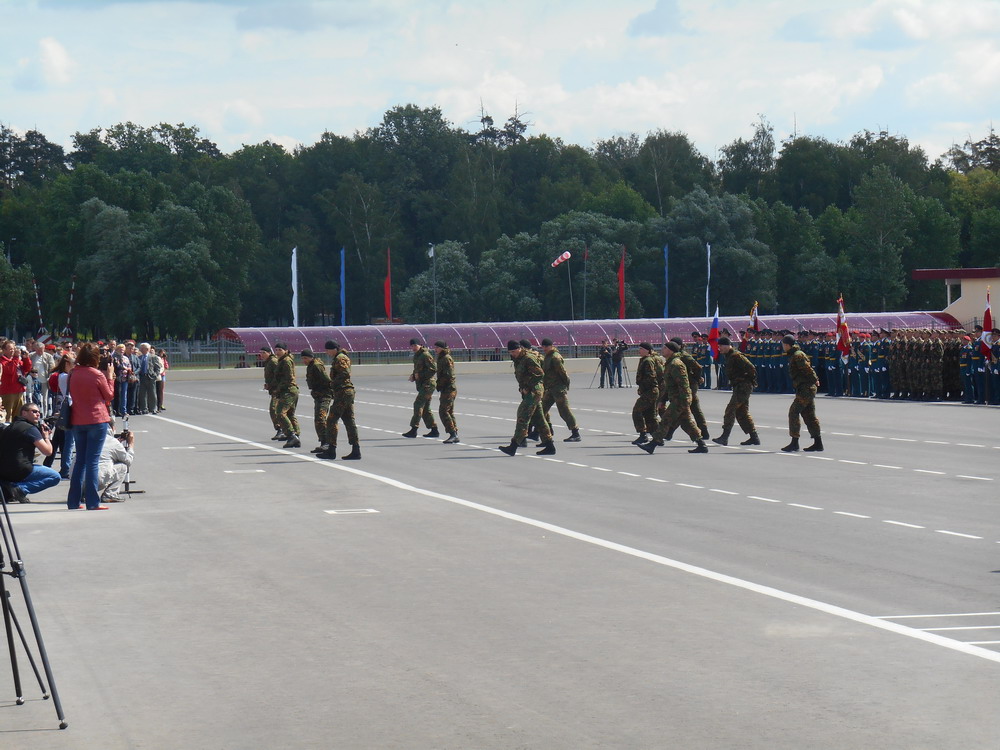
x=713, y=335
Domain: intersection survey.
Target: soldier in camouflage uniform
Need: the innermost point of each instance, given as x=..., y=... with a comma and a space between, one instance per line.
x=270, y=363
x=318, y=383
x=647, y=381
x=286, y=391
x=805, y=382
x=529, y=374
x=695, y=379
x=743, y=376
x=556, y=383
x=423, y=375
x=679, y=410
x=341, y=405
x=447, y=390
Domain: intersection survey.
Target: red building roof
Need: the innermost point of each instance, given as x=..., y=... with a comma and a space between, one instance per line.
x=932, y=274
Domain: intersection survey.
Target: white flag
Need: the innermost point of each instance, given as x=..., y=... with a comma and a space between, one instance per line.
x=295, y=289
x=430, y=253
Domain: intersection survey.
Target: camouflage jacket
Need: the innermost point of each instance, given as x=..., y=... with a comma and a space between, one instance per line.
x=799, y=368
x=340, y=373
x=693, y=368
x=556, y=378
x=445, y=371
x=317, y=379
x=660, y=363
x=740, y=370
x=424, y=367
x=646, y=377
x=677, y=381
x=284, y=376
x=528, y=371
x=270, y=367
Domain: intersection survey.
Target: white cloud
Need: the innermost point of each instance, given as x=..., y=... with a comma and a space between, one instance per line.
x=57, y=65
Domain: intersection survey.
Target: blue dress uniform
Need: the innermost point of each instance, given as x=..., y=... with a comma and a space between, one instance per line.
x=703, y=356
x=978, y=367
x=994, y=368
x=854, y=370
x=965, y=371
x=867, y=382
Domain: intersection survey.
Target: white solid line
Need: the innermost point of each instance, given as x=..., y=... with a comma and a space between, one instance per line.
x=981, y=643
x=981, y=479
x=692, y=486
x=807, y=507
x=765, y=499
x=950, y=614
x=907, y=525
x=654, y=479
x=852, y=515
x=724, y=492
x=859, y=463
x=768, y=591
x=887, y=466
x=928, y=471
x=964, y=627
x=955, y=533
x=348, y=511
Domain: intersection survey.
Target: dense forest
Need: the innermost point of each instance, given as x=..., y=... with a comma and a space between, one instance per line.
x=167, y=236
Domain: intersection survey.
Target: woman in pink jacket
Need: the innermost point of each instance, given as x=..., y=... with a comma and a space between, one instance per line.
x=90, y=392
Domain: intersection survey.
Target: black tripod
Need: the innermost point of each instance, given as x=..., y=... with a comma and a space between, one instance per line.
x=10, y=620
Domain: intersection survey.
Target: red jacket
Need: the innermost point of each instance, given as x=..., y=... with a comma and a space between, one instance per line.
x=90, y=391
x=10, y=368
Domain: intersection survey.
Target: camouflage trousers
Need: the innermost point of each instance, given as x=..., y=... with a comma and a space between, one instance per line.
x=738, y=409
x=804, y=405
x=321, y=408
x=559, y=397
x=677, y=415
x=272, y=412
x=284, y=411
x=529, y=412
x=698, y=415
x=341, y=409
x=422, y=407
x=446, y=410
x=644, y=411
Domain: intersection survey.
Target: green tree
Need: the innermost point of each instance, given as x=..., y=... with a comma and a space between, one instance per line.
x=748, y=166
x=451, y=284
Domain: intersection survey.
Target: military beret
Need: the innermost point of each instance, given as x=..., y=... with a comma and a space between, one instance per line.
x=440, y=344
x=525, y=344
x=672, y=346
x=546, y=342
x=415, y=342
x=646, y=345
x=788, y=339
x=678, y=340
x=331, y=344
x=695, y=335
x=724, y=341
x=281, y=345
x=266, y=349
x=307, y=353
x=513, y=345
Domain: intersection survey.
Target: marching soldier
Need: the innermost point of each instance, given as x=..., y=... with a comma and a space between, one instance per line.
x=446, y=387
x=341, y=404
x=695, y=379
x=530, y=375
x=556, y=383
x=423, y=375
x=804, y=404
x=318, y=383
x=679, y=409
x=743, y=376
x=647, y=383
x=270, y=363
x=286, y=391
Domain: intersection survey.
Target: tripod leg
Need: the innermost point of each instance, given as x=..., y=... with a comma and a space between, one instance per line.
x=41, y=649
x=27, y=651
x=5, y=604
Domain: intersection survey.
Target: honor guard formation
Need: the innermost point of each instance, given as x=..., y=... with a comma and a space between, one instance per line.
x=922, y=364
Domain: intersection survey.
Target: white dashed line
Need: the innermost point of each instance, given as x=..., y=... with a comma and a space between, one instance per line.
x=654, y=479
x=724, y=492
x=582, y=466
x=928, y=471
x=887, y=466
x=600, y=468
x=852, y=515
x=903, y=440
x=873, y=437
x=970, y=445
x=628, y=474
x=690, y=486
x=955, y=533
x=858, y=463
x=907, y=525
x=937, y=442
x=765, y=499
x=981, y=479
x=807, y=507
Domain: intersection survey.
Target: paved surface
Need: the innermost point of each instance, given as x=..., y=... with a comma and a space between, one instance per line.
x=605, y=598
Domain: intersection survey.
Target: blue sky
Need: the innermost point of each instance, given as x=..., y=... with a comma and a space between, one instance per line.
x=246, y=71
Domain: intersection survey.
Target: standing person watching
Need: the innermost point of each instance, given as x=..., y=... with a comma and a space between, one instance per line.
x=161, y=384
x=133, y=378
x=63, y=437
x=150, y=371
x=15, y=372
x=90, y=390
x=123, y=370
x=18, y=443
x=42, y=364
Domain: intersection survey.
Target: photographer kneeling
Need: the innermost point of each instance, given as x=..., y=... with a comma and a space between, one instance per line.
x=18, y=443
x=116, y=458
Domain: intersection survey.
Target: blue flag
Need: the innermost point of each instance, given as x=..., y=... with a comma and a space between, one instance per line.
x=343, y=307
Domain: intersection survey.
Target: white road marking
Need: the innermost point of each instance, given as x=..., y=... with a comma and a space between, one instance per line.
x=807, y=507
x=691, y=486
x=843, y=434
x=765, y=499
x=937, y=442
x=349, y=511
x=821, y=458
x=955, y=533
x=950, y=614
x=981, y=479
x=964, y=627
x=928, y=471
x=724, y=492
x=873, y=437
x=243, y=471
x=178, y=447
x=903, y=440
x=887, y=466
x=981, y=643
x=859, y=463
x=907, y=525
x=582, y=466
x=970, y=445
x=629, y=474
x=654, y=479
x=769, y=591
x=852, y=515
x=600, y=468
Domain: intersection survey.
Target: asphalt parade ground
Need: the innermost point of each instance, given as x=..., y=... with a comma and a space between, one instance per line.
x=435, y=596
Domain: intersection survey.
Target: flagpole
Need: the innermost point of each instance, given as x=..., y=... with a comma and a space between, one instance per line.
x=666, y=281
x=586, y=254
x=569, y=279
x=708, y=278
x=434, y=274
x=343, y=296
x=295, y=288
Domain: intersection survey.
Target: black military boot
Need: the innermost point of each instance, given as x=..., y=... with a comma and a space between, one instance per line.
x=532, y=434
x=641, y=440
x=792, y=447
x=452, y=438
x=574, y=437
x=548, y=448
x=292, y=442
x=817, y=445
x=754, y=439
x=651, y=446
x=723, y=439
x=511, y=449
x=433, y=433
x=320, y=448
x=354, y=455
x=410, y=433
x=523, y=443
x=329, y=453
x=279, y=435
x=701, y=448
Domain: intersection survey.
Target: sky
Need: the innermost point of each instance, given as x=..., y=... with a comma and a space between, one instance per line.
x=245, y=71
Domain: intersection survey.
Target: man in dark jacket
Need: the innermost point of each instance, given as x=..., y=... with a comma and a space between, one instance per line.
x=18, y=443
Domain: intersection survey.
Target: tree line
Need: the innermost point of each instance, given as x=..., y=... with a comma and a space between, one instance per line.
x=168, y=236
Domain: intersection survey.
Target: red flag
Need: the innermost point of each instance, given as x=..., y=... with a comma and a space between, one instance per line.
x=388, y=286
x=621, y=286
x=843, y=334
x=713, y=335
x=984, y=347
